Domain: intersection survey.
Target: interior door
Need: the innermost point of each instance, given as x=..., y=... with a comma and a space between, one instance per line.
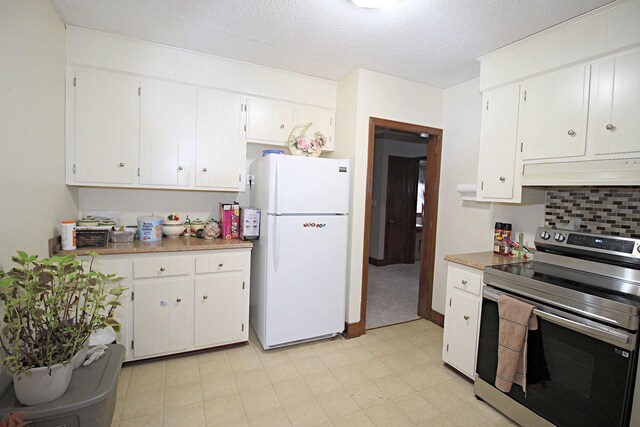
x=400, y=215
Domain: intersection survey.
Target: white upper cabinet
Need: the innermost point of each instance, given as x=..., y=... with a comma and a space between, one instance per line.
x=167, y=133
x=268, y=120
x=322, y=119
x=220, y=147
x=498, y=137
x=614, y=124
x=106, y=127
x=553, y=114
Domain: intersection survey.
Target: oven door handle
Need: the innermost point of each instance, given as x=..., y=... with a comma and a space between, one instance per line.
x=598, y=333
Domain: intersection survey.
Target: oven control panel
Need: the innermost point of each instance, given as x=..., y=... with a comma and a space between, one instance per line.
x=564, y=241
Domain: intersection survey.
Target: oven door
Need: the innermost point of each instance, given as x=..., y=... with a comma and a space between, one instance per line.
x=579, y=373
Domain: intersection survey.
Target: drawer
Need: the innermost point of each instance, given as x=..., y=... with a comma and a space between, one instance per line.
x=218, y=262
x=161, y=267
x=466, y=280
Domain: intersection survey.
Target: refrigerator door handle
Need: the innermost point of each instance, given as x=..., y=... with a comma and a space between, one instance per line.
x=276, y=243
x=277, y=189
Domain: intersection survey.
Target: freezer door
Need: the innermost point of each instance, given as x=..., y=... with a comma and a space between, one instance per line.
x=306, y=277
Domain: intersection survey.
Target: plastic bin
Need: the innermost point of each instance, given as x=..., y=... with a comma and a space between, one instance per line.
x=88, y=402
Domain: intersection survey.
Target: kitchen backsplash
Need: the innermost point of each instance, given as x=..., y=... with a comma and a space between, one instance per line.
x=603, y=210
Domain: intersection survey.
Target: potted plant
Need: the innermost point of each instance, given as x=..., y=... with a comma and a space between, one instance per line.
x=49, y=309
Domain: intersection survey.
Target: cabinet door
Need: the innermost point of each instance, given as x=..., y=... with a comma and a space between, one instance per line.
x=220, y=305
x=268, y=120
x=220, y=148
x=106, y=127
x=323, y=120
x=167, y=133
x=162, y=317
x=498, y=142
x=461, y=331
x=553, y=114
x=614, y=125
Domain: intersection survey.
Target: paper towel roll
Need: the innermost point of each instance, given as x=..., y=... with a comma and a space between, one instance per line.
x=467, y=188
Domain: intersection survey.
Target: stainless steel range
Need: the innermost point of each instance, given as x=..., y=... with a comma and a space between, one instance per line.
x=582, y=360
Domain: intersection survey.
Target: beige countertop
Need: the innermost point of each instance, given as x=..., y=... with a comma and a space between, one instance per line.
x=179, y=244
x=480, y=260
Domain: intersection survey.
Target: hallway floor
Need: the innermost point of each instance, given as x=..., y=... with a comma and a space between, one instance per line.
x=392, y=294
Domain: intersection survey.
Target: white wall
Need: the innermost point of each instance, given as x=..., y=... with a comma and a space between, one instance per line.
x=383, y=149
x=32, y=83
x=465, y=227
x=363, y=94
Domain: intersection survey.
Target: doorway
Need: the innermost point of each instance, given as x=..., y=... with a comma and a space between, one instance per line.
x=418, y=227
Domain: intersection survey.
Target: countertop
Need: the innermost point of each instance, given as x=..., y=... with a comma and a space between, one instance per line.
x=179, y=244
x=480, y=260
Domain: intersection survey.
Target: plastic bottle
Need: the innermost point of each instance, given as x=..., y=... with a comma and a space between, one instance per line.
x=506, y=239
x=497, y=238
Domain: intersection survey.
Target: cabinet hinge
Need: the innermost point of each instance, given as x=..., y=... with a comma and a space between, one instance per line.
x=243, y=327
x=133, y=296
x=487, y=105
x=447, y=347
x=74, y=168
x=245, y=128
x=242, y=285
x=521, y=144
x=132, y=347
x=239, y=177
x=482, y=185
x=139, y=91
x=74, y=81
x=331, y=121
x=138, y=171
x=449, y=302
x=525, y=95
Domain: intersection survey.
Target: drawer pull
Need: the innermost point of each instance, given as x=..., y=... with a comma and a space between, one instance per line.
x=162, y=268
x=179, y=300
x=204, y=297
x=466, y=317
x=464, y=282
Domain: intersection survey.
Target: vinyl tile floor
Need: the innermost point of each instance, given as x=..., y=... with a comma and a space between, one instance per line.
x=392, y=294
x=391, y=376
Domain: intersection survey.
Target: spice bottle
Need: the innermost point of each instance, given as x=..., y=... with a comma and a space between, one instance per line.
x=506, y=239
x=497, y=238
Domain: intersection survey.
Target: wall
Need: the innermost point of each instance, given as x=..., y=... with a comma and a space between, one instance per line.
x=32, y=83
x=465, y=227
x=363, y=94
x=383, y=149
x=613, y=211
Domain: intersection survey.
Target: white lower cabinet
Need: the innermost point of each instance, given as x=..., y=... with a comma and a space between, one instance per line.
x=462, y=318
x=177, y=302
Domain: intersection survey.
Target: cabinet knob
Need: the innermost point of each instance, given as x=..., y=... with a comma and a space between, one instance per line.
x=503, y=179
x=180, y=168
x=571, y=132
x=220, y=265
x=466, y=317
x=204, y=169
x=204, y=297
x=464, y=282
x=121, y=164
x=609, y=126
x=281, y=126
x=179, y=300
x=162, y=269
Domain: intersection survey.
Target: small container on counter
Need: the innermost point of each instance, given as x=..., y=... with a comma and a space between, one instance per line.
x=196, y=224
x=150, y=228
x=88, y=221
x=497, y=238
x=506, y=239
x=68, y=235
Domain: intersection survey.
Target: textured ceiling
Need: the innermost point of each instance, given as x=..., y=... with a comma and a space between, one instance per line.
x=430, y=41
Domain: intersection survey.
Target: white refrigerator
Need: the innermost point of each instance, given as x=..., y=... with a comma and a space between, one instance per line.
x=299, y=263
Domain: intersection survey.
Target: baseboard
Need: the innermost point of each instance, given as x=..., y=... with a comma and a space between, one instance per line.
x=353, y=330
x=377, y=262
x=437, y=318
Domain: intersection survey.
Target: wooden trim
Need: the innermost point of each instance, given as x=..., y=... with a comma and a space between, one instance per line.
x=377, y=262
x=432, y=184
x=353, y=330
x=437, y=318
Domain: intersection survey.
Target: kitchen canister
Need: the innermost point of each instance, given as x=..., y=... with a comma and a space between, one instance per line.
x=68, y=235
x=150, y=228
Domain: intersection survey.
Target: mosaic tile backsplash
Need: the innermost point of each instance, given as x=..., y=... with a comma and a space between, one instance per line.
x=613, y=211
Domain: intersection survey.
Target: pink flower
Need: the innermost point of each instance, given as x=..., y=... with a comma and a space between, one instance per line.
x=302, y=144
x=315, y=144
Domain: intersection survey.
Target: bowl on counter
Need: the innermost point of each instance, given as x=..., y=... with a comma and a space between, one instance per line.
x=173, y=229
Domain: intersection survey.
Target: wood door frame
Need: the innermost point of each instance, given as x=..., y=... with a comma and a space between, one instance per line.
x=430, y=220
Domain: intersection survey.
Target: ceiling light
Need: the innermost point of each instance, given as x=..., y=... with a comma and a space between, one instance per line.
x=374, y=4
